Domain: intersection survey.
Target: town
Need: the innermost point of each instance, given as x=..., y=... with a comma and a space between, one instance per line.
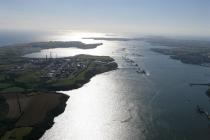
x=29, y=74
x=53, y=68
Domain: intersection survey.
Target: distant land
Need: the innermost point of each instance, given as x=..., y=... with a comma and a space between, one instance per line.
x=187, y=51
x=109, y=38
x=28, y=98
x=195, y=52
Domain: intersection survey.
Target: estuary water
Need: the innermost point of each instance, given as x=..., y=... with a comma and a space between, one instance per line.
x=126, y=105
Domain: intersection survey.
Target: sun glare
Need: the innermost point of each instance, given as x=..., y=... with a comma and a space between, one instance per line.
x=79, y=36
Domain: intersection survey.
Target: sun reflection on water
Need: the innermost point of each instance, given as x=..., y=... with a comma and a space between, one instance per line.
x=100, y=110
x=78, y=36
x=97, y=111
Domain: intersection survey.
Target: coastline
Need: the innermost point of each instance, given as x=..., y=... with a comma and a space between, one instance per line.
x=40, y=128
x=32, y=101
x=31, y=126
x=48, y=122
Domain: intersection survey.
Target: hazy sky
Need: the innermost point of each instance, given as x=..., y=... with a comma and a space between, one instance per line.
x=143, y=16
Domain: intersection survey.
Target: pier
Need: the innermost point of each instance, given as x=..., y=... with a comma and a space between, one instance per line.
x=199, y=84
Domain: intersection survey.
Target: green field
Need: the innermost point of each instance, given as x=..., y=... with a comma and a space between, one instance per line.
x=23, y=76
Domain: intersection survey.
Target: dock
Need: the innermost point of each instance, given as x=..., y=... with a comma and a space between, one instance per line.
x=199, y=84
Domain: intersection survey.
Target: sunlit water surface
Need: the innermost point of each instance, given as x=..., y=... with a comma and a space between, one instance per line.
x=125, y=105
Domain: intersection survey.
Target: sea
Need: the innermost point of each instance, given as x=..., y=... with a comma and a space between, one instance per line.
x=124, y=104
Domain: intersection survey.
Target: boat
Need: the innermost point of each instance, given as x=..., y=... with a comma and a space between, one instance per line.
x=200, y=110
x=141, y=71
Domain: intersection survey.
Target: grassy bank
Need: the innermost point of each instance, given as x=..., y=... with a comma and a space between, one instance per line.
x=28, y=98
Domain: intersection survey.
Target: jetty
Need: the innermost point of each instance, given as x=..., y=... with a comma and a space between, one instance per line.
x=141, y=71
x=199, y=84
x=202, y=111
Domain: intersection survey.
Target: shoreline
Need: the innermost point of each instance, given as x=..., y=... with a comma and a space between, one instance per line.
x=28, y=87
x=39, y=129
x=37, y=126
x=48, y=122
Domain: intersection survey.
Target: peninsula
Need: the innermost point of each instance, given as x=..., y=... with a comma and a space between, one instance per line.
x=28, y=98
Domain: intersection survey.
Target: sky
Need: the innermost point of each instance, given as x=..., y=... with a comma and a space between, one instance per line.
x=182, y=17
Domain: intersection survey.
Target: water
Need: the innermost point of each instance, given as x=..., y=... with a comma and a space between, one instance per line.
x=125, y=105
x=9, y=38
